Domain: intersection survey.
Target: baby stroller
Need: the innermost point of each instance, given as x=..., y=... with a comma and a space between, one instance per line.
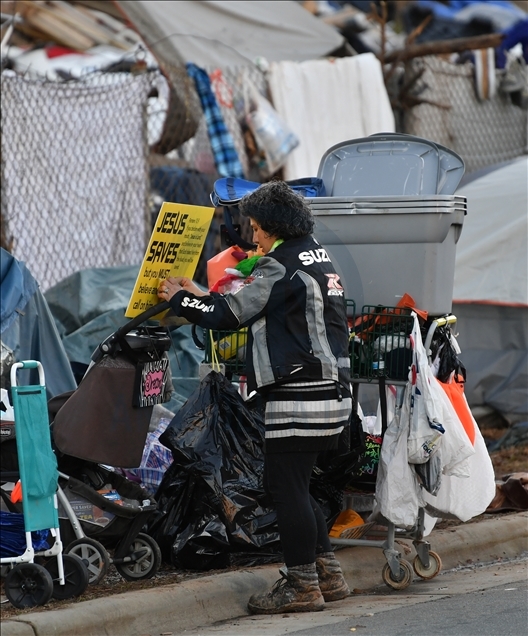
x=104, y=424
x=93, y=522
x=29, y=583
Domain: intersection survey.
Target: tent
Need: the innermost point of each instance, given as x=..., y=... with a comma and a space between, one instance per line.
x=491, y=289
x=27, y=329
x=231, y=33
x=90, y=305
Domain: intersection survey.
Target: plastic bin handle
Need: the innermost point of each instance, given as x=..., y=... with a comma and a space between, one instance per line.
x=28, y=364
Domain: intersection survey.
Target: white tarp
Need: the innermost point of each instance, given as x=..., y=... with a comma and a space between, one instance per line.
x=328, y=101
x=491, y=290
x=231, y=33
x=492, y=252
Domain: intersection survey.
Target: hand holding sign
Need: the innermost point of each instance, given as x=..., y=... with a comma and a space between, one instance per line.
x=172, y=254
x=170, y=286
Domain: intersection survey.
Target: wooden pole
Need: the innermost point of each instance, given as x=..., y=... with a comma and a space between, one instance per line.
x=440, y=47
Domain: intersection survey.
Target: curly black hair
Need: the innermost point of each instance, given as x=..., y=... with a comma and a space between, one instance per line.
x=279, y=210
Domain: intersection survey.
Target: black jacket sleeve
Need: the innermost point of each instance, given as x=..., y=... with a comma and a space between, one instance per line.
x=211, y=312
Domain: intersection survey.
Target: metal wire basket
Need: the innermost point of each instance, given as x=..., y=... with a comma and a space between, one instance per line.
x=229, y=347
x=380, y=343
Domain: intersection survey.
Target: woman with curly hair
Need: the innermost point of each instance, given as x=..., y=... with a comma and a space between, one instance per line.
x=297, y=359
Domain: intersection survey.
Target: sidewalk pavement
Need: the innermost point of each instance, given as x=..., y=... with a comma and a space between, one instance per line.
x=219, y=597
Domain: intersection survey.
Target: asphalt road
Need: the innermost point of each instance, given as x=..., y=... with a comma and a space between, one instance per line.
x=487, y=600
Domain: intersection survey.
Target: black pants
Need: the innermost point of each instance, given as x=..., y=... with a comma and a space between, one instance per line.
x=302, y=525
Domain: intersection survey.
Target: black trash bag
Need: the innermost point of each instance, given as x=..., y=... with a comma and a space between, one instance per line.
x=212, y=509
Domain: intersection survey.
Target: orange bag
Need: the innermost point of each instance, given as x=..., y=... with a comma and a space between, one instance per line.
x=366, y=323
x=346, y=519
x=216, y=265
x=16, y=493
x=455, y=393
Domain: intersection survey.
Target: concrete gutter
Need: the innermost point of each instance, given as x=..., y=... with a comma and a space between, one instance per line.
x=219, y=597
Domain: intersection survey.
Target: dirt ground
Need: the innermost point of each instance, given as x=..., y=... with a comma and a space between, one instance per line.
x=505, y=462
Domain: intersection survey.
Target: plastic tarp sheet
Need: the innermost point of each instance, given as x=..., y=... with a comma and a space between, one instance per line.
x=90, y=305
x=494, y=343
x=492, y=252
x=491, y=289
x=231, y=33
x=27, y=327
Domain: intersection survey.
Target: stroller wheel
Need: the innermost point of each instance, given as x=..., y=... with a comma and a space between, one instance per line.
x=94, y=556
x=146, y=559
x=28, y=585
x=75, y=576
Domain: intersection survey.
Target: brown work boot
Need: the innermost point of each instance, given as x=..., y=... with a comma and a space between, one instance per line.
x=297, y=591
x=331, y=581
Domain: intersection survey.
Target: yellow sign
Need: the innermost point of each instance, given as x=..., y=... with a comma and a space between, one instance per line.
x=173, y=250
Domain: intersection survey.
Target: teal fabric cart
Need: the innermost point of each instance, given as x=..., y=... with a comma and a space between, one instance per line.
x=28, y=583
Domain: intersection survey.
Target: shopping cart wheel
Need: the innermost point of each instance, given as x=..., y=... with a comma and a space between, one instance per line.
x=404, y=579
x=435, y=565
x=28, y=585
x=146, y=559
x=94, y=556
x=75, y=576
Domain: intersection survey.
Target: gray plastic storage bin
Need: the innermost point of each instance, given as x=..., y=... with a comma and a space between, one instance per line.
x=381, y=254
x=391, y=221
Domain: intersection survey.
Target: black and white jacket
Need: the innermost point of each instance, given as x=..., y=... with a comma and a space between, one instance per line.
x=294, y=307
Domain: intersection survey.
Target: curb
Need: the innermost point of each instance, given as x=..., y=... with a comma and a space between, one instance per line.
x=219, y=597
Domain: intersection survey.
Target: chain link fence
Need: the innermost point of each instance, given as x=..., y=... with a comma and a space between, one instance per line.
x=483, y=132
x=75, y=171
x=86, y=162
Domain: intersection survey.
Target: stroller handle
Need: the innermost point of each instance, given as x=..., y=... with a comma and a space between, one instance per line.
x=148, y=313
x=107, y=345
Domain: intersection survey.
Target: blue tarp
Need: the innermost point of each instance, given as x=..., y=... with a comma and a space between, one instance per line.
x=90, y=305
x=28, y=328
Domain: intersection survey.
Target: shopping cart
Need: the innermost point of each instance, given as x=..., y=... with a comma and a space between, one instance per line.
x=381, y=354
x=28, y=583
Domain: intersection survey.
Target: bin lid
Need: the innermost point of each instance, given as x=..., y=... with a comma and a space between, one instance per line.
x=386, y=211
x=451, y=169
x=340, y=205
x=453, y=199
x=328, y=203
x=381, y=165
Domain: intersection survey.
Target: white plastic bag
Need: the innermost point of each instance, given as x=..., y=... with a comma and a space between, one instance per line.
x=467, y=497
x=398, y=496
x=432, y=406
x=456, y=445
x=272, y=135
x=426, y=429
